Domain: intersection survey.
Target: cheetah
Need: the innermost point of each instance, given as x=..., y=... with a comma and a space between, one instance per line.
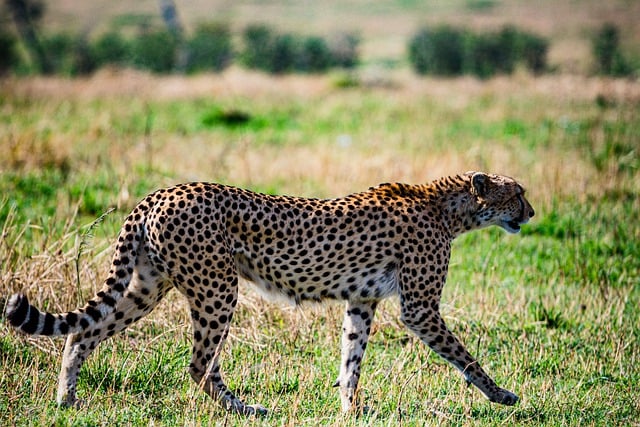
x=394, y=239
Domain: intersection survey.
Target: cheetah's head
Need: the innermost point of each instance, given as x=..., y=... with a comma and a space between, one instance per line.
x=500, y=201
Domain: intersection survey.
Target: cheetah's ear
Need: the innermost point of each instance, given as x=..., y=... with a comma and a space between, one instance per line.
x=480, y=184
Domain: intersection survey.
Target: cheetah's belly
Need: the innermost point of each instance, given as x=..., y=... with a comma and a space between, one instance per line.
x=337, y=280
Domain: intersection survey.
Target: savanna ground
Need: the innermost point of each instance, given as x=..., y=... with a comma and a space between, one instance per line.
x=552, y=314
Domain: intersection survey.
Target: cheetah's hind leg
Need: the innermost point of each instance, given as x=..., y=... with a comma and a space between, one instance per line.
x=143, y=294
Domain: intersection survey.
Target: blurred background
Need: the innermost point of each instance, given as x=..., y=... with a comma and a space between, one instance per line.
x=480, y=37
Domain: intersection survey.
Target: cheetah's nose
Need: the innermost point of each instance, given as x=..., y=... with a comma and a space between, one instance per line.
x=531, y=213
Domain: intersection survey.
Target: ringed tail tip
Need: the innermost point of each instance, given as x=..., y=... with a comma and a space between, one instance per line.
x=17, y=309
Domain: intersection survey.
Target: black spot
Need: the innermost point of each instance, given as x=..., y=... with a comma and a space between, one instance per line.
x=108, y=300
x=94, y=313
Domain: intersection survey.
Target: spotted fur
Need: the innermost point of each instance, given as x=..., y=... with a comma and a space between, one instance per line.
x=393, y=239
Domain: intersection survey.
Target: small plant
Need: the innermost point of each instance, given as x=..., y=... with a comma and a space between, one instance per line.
x=87, y=235
x=551, y=318
x=344, y=50
x=345, y=80
x=226, y=118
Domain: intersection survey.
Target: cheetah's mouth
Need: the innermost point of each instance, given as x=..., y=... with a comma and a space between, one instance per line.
x=512, y=226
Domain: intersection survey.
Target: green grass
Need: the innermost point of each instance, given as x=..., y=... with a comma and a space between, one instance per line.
x=552, y=313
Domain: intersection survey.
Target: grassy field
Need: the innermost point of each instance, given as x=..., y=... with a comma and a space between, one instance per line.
x=553, y=313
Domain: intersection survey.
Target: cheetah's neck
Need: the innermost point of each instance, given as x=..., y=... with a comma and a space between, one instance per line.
x=452, y=196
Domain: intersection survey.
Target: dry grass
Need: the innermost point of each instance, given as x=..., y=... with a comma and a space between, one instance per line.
x=325, y=164
x=240, y=83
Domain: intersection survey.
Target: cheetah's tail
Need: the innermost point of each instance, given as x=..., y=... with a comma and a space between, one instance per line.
x=28, y=319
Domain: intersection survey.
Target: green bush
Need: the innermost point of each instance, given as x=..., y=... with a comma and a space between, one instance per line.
x=486, y=55
x=210, y=48
x=69, y=54
x=314, y=55
x=155, y=51
x=283, y=54
x=533, y=51
x=8, y=54
x=258, y=47
x=439, y=51
x=59, y=49
x=491, y=53
x=267, y=50
x=606, y=50
x=449, y=51
x=83, y=60
x=111, y=49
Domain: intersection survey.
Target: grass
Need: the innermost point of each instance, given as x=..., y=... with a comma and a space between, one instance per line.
x=551, y=313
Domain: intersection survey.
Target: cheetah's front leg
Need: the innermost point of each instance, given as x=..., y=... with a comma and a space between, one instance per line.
x=355, y=334
x=433, y=332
